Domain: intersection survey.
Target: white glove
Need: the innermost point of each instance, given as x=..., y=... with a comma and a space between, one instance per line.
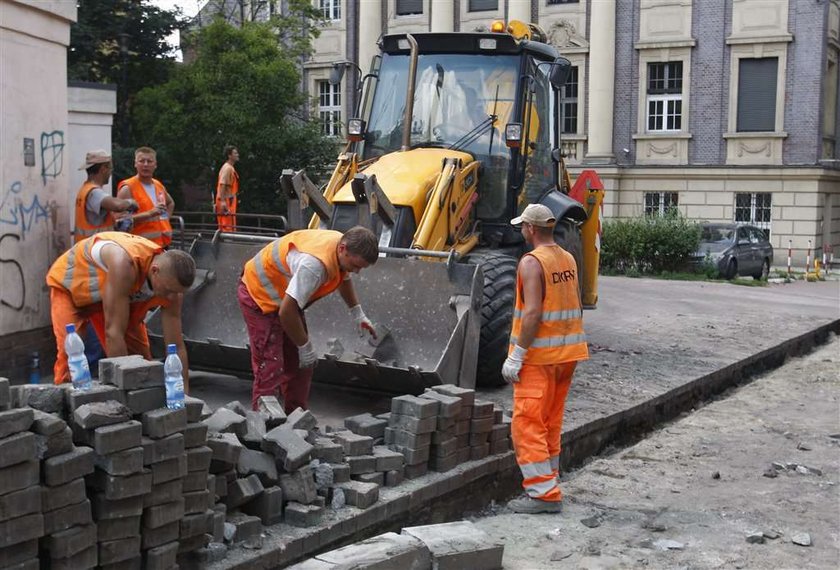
x=513, y=363
x=363, y=324
x=306, y=356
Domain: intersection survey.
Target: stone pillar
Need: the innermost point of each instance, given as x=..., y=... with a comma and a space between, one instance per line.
x=370, y=28
x=519, y=10
x=601, y=83
x=443, y=16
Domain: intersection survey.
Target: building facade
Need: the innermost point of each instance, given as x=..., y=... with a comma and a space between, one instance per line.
x=724, y=109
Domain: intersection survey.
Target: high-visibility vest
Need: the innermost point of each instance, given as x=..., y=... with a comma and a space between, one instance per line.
x=85, y=229
x=267, y=274
x=560, y=337
x=158, y=230
x=76, y=272
x=234, y=182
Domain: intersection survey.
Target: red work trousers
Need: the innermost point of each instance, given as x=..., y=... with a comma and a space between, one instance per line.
x=539, y=400
x=274, y=357
x=63, y=312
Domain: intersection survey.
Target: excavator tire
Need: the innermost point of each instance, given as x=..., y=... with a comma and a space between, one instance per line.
x=496, y=314
x=567, y=236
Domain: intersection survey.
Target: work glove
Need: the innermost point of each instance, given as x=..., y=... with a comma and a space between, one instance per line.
x=363, y=324
x=513, y=363
x=306, y=356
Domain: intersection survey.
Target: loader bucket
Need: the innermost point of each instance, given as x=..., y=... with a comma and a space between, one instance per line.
x=430, y=308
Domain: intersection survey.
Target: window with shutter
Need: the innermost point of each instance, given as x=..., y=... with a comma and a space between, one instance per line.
x=757, y=78
x=483, y=5
x=408, y=7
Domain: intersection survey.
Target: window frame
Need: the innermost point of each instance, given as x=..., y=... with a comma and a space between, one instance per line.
x=570, y=113
x=667, y=99
x=472, y=10
x=765, y=206
x=330, y=113
x=665, y=200
x=409, y=14
x=330, y=9
x=756, y=51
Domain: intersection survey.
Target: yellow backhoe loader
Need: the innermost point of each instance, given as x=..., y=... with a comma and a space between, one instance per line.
x=456, y=134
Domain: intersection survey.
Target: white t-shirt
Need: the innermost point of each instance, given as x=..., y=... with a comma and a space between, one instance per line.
x=308, y=274
x=94, y=213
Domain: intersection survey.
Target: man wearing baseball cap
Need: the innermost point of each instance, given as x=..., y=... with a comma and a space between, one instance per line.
x=546, y=343
x=94, y=206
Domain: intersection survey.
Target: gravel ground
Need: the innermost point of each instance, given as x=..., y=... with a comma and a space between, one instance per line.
x=763, y=460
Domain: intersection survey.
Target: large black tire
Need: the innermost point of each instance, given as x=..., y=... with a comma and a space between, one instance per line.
x=731, y=271
x=567, y=236
x=496, y=314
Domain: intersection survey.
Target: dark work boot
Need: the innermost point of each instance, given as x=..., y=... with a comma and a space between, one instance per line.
x=531, y=506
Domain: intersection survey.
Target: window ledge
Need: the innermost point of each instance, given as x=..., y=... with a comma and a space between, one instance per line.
x=663, y=135
x=757, y=135
x=666, y=44
x=572, y=137
x=779, y=38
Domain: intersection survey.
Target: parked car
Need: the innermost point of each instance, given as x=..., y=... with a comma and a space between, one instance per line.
x=735, y=249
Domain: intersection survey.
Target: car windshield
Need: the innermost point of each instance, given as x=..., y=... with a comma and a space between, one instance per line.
x=716, y=234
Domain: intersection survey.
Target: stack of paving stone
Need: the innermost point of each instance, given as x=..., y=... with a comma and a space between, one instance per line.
x=463, y=419
x=444, y=449
x=410, y=426
x=385, y=467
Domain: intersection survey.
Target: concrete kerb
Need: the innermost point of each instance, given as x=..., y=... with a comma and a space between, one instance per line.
x=440, y=497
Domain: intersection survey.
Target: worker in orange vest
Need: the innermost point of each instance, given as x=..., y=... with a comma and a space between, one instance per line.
x=227, y=189
x=156, y=205
x=94, y=206
x=112, y=279
x=277, y=284
x=546, y=343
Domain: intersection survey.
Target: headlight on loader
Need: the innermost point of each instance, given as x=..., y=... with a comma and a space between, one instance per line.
x=355, y=130
x=513, y=135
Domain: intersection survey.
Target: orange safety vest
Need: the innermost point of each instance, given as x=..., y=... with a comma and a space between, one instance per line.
x=560, y=337
x=159, y=230
x=267, y=274
x=83, y=228
x=77, y=273
x=234, y=184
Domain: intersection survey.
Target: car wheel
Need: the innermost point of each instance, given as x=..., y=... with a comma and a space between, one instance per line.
x=765, y=270
x=731, y=270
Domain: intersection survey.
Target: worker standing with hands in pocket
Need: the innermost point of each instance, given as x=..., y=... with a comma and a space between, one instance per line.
x=546, y=343
x=277, y=284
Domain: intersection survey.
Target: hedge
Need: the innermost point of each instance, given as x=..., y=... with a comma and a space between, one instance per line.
x=649, y=245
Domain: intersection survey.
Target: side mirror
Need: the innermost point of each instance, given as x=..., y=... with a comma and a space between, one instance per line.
x=337, y=73
x=557, y=155
x=560, y=70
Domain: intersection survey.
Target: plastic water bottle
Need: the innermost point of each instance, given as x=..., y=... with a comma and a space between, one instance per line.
x=76, y=359
x=35, y=369
x=174, y=378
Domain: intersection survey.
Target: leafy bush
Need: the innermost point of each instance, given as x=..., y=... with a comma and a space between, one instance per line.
x=649, y=245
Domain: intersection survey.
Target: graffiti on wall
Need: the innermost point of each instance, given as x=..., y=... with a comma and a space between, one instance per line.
x=21, y=213
x=52, y=154
x=14, y=295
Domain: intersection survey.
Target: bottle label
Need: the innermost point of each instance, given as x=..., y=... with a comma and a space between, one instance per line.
x=79, y=370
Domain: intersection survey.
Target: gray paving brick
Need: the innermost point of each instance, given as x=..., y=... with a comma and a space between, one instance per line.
x=169, y=469
x=463, y=454
x=145, y=399
x=47, y=424
x=359, y=494
x=366, y=424
x=160, y=557
x=386, y=550
x=19, y=476
x=361, y=464
x=104, y=508
x=450, y=406
x=108, y=366
x=98, y=393
x=354, y=444
x=138, y=373
x=197, y=481
x=163, y=493
x=159, y=515
x=462, y=440
x=226, y=449
x=413, y=406
x=413, y=456
x=70, y=493
x=47, y=446
x=387, y=459
x=412, y=424
x=125, y=462
x=45, y=397
x=153, y=537
x=194, y=406
x=481, y=425
x=478, y=438
x=21, y=529
x=467, y=395
x=406, y=438
x=198, y=458
x=442, y=463
x=273, y=410
x=195, y=435
x=474, y=548
x=20, y=503
x=301, y=419
x=243, y=490
x=418, y=470
x=291, y=450
x=85, y=559
x=224, y=420
x=255, y=429
x=135, y=563
x=157, y=450
x=195, y=524
x=115, y=529
x=213, y=552
x=500, y=431
x=377, y=477
x=66, y=517
x=268, y=506
x=259, y=463
x=5, y=394
x=341, y=472
x=465, y=414
x=97, y=414
x=64, y=468
x=117, y=437
x=117, y=487
x=445, y=448
x=327, y=450
x=197, y=502
x=394, y=478
x=299, y=485
x=500, y=446
x=479, y=451
x=15, y=421
x=302, y=515
x=164, y=422
x=17, y=448
x=114, y=551
x=483, y=409
x=17, y=553
x=462, y=427
x=66, y=543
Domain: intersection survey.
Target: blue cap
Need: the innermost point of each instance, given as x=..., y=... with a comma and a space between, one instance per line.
x=171, y=349
x=71, y=328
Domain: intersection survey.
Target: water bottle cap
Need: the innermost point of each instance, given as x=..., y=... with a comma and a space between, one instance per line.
x=71, y=328
x=171, y=349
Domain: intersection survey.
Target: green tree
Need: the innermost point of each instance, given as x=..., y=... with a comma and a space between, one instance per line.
x=122, y=42
x=243, y=89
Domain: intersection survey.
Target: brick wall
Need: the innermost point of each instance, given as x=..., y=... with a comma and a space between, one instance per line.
x=626, y=80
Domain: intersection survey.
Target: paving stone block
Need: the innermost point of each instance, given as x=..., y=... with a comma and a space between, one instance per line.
x=377, y=477
x=361, y=464
x=98, y=414
x=412, y=424
x=463, y=454
x=273, y=409
x=341, y=472
x=197, y=481
x=413, y=456
x=466, y=413
x=246, y=527
x=145, y=399
x=157, y=450
x=195, y=524
x=135, y=563
x=107, y=509
x=254, y=430
x=354, y=444
x=161, y=557
x=137, y=373
x=443, y=463
x=64, y=468
x=46, y=424
x=5, y=394
x=164, y=422
x=169, y=469
x=198, y=458
x=481, y=425
x=197, y=502
x=226, y=449
x=301, y=419
x=153, y=537
x=397, y=436
x=121, y=487
x=415, y=471
x=47, y=446
x=70, y=493
x=194, y=406
x=299, y=485
x=18, y=553
x=115, y=529
x=19, y=476
x=221, y=485
x=450, y=406
x=413, y=406
x=394, y=477
x=290, y=449
x=98, y=393
x=466, y=394
x=19, y=503
x=108, y=366
x=387, y=459
x=213, y=552
x=66, y=517
x=85, y=559
x=500, y=431
x=45, y=397
x=500, y=446
x=237, y=407
x=327, y=450
x=479, y=451
x=219, y=516
x=389, y=550
x=258, y=463
x=15, y=421
x=366, y=424
x=159, y=515
x=163, y=493
x=359, y=494
x=117, y=437
x=462, y=440
x=445, y=448
x=302, y=515
x=17, y=448
x=124, y=462
x=114, y=551
x=268, y=506
x=462, y=427
x=195, y=435
x=243, y=490
x=189, y=545
x=473, y=548
x=66, y=543
x=483, y=409
x=226, y=421
x=446, y=425
x=21, y=529
x=478, y=438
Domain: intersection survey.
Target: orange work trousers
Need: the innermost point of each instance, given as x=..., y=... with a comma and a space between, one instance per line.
x=539, y=400
x=227, y=222
x=63, y=312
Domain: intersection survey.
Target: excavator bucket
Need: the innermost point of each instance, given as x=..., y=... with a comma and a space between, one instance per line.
x=426, y=313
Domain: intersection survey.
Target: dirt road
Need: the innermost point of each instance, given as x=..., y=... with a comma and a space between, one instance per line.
x=761, y=464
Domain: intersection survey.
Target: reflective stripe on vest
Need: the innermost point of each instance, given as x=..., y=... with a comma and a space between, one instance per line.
x=560, y=336
x=83, y=229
